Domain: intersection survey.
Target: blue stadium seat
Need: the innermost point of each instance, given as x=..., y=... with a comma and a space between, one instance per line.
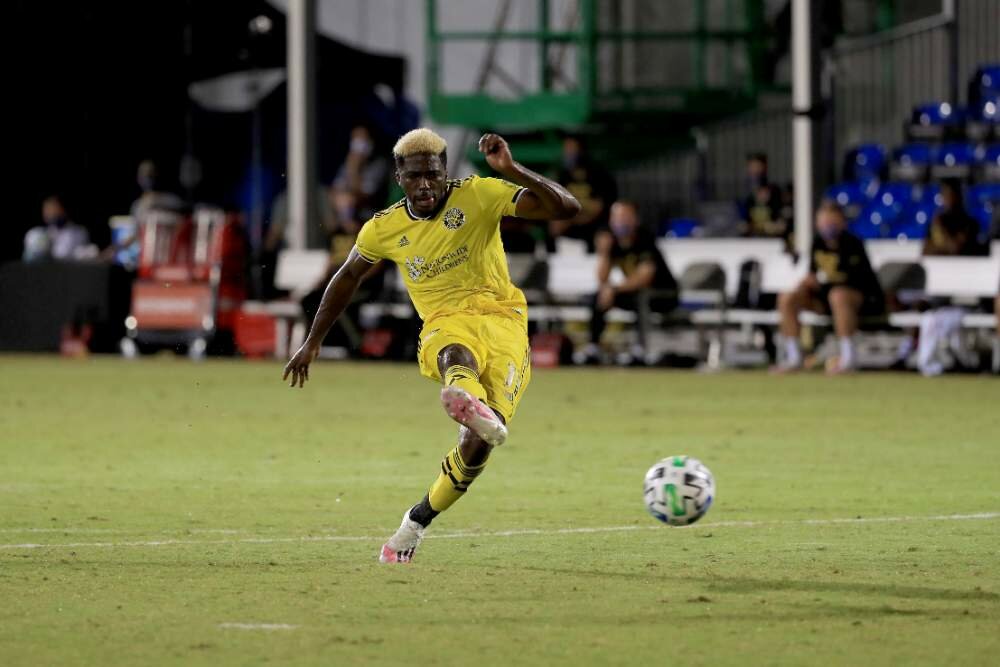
x=680, y=228
x=938, y=113
x=983, y=193
x=914, y=221
x=980, y=201
x=987, y=110
x=989, y=165
x=953, y=160
x=911, y=161
x=936, y=120
x=983, y=213
x=927, y=194
x=987, y=79
x=876, y=220
x=909, y=232
x=865, y=163
x=894, y=193
x=849, y=196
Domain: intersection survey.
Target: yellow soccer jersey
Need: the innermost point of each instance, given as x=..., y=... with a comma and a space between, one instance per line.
x=453, y=262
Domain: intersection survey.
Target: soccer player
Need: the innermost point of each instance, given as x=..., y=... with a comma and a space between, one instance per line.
x=444, y=238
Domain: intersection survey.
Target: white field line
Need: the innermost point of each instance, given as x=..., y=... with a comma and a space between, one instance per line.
x=982, y=516
x=257, y=626
x=121, y=531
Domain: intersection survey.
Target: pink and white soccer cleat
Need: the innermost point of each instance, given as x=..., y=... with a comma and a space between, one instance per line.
x=403, y=543
x=473, y=414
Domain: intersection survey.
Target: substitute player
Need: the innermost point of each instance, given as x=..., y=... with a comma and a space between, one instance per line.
x=444, y=237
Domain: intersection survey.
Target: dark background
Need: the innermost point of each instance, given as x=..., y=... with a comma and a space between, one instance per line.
x=99, y=86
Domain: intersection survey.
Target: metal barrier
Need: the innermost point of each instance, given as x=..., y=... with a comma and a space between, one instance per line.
x=878, y=79
x=876, y=82
x=674, y=184
x=978, y=37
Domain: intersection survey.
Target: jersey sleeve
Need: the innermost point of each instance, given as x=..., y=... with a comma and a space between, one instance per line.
x=367, y=243
x=497, y=196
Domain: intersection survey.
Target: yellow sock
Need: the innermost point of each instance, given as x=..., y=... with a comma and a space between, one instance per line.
x=465, y=378
x=453, y=481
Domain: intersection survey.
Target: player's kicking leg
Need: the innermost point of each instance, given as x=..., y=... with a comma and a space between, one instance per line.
x=463, y=399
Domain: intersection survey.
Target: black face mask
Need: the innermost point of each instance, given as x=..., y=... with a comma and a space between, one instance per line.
x=58, y=222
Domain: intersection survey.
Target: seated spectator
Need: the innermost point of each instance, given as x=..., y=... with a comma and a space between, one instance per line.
x=761, y=209
x=153, y=198
x=364, y=175
x=632, y=249
x=953, y=231
x=593, y=187
x=840, y=282
x=58, y=238
x=126, y=247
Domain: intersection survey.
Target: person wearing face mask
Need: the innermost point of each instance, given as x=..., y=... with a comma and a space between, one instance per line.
x=58, y=238
x=592, y=186
x=364, y=176
x=840, y=282
x=632, y=249
x=152, y=197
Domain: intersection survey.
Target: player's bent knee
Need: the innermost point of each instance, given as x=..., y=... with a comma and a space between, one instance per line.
x=456, y=355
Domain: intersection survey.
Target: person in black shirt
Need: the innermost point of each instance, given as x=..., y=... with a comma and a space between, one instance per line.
x=840, y=281
x=633, y=250
x=592, y=186
x=760, y=210
x=953, y=231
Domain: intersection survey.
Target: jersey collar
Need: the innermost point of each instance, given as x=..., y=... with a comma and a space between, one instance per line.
x=417, y=218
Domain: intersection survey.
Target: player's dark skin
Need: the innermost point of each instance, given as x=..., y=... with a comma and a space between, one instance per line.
x=424, y=180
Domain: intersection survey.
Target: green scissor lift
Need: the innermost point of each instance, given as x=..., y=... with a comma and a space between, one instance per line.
x=721, y=75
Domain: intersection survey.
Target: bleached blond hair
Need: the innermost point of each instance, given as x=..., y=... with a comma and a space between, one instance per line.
x=421, y=141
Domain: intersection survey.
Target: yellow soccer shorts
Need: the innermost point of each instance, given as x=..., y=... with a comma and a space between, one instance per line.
x=499, y=345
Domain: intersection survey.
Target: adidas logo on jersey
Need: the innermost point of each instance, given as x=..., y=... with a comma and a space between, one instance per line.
x=403, y=242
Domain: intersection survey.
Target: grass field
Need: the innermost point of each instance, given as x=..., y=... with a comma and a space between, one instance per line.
x=163, y=512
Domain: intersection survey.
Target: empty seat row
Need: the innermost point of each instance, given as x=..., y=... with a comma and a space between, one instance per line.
x=900, y=209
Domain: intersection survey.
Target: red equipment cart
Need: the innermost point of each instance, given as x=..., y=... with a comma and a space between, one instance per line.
x=190, y=283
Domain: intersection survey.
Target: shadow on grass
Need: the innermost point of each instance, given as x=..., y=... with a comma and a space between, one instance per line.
x=748, y=585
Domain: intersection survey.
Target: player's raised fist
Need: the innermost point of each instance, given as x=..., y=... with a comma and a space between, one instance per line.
x=497, y=152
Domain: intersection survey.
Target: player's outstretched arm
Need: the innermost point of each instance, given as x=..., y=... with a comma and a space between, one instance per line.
x=544, y=200
x=338, y=294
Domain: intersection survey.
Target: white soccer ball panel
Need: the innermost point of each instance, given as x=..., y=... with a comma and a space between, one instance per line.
x=678, y=490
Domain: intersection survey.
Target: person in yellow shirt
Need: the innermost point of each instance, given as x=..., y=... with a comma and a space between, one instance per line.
x=444, y=237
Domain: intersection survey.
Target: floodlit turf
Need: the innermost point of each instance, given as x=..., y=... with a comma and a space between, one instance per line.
x=205, y=514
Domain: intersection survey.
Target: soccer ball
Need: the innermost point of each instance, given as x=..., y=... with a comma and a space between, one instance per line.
x=679, y=490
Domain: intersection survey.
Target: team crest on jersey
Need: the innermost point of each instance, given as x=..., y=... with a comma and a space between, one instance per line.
x=454, y=218
x=414, y=267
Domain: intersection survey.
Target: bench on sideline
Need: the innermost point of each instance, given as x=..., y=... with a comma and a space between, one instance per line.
x=569, y=277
